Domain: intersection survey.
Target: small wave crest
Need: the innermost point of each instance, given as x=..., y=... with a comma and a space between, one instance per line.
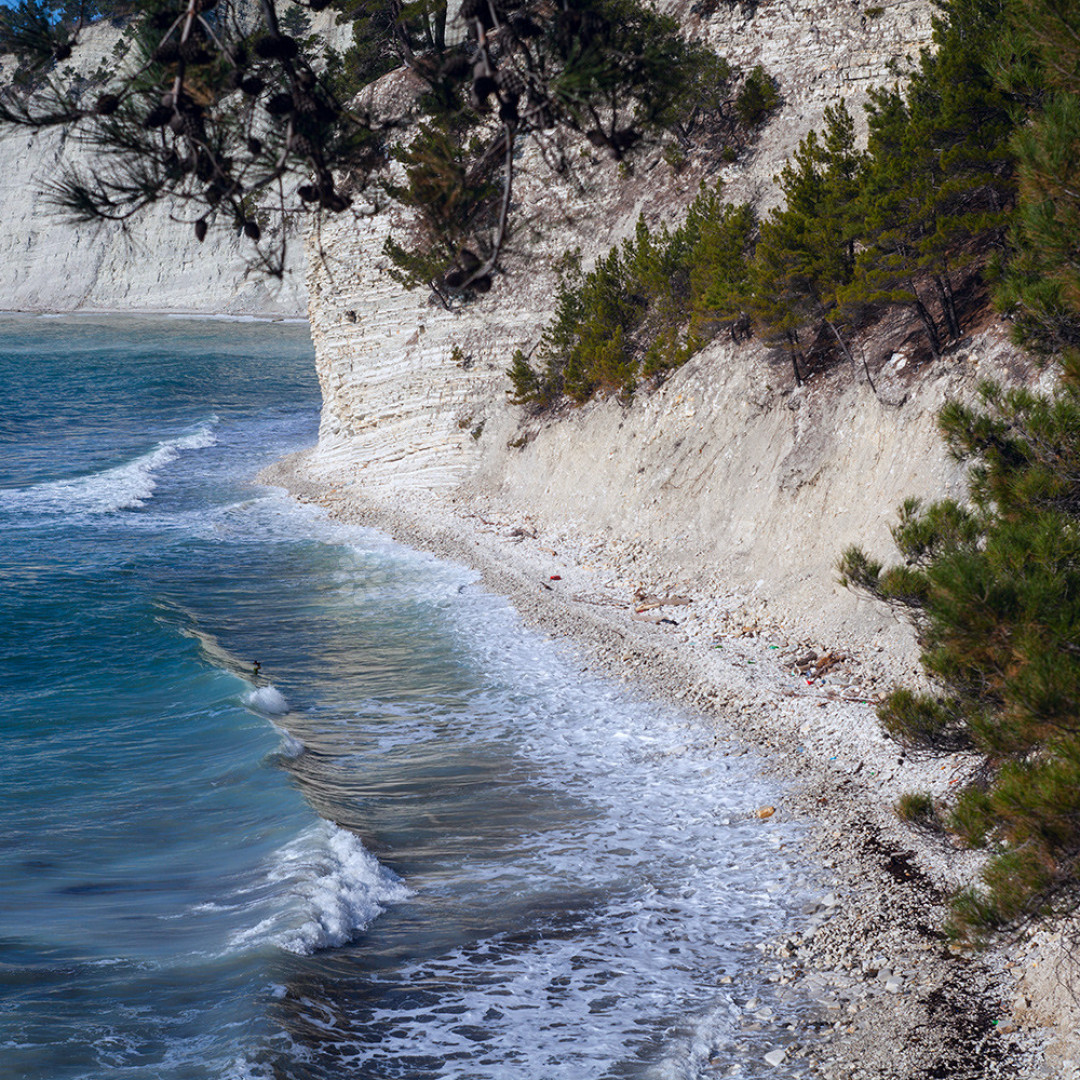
x=268, y=700
x=332, y=888
x=291, y=746
x=123, y=487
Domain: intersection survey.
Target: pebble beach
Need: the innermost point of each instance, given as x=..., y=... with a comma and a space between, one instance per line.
x=892, y=998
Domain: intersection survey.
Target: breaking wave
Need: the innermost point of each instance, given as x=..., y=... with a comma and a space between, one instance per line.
x=123, y=487
x=327, y=887
x=268, y=700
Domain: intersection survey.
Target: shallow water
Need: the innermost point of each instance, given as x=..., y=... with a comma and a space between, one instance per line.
x=419, y=842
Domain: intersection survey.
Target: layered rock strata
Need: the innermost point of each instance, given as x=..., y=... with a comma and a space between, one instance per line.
x=724, y=468
x=408, y=384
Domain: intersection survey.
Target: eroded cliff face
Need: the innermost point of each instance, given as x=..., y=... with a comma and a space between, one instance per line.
x=407, y=385
x=151, y=264
x=821, y=51
x=730, y=478
x=727, y=473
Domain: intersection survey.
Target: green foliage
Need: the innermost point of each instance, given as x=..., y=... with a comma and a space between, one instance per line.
x=31, y=30
x=938, y=180
x=1039, y=285
x=858, y=571
x=719, y=262
x=905, y=223
x=623, y=52
x=377, y=36
x=994, y=588
x=972, y=815
x=528, y=386
x=805, y=253
x=900, y=224
x=644, y=308
x=296, y=21
x=918, y=808
x=708, y=88
x=995, y=593
x=590, y=343
x=922, y=533
x=674, y=157
x=915, y=216
x=920, y=722
x=758, y=96
x=450, y=201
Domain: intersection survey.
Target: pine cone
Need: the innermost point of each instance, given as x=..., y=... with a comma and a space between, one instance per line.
x=280, y=105
x=300, y=144
x=157, y=117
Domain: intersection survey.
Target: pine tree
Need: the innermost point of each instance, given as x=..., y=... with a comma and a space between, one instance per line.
x=895, y=215
x=995, y=591
x=962, y=107
x=719, y=263
x=644, y=308
x=938, y=185
x=1040, y=286
x=805, y=252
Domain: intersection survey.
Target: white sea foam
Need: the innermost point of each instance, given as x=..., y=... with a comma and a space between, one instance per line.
x=291, y=746
x=326, y=887
x=268, y=700
x=122, y=487
x=645, y=881
x=635, y=881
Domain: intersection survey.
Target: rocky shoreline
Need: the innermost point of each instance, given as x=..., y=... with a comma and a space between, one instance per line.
x=892, y=1000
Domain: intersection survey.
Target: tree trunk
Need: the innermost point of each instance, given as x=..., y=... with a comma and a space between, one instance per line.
x=950, y=297
x=841, y=342
x=793, y=346
x=741, y=328
x=847, y=352
x=928, y=324
x=440, y=28
x=948, y=306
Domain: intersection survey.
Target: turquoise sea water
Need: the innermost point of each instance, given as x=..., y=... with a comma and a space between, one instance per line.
x=417, y=843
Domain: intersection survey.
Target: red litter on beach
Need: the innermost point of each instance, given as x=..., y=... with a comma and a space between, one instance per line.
x=555, y=577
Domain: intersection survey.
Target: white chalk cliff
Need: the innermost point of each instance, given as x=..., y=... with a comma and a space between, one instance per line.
x=727, y=472
x=152, y=263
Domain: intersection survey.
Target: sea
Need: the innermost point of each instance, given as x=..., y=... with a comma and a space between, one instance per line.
x=281, y=798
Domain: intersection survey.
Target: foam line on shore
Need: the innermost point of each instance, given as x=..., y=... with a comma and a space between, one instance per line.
x=842, y=775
